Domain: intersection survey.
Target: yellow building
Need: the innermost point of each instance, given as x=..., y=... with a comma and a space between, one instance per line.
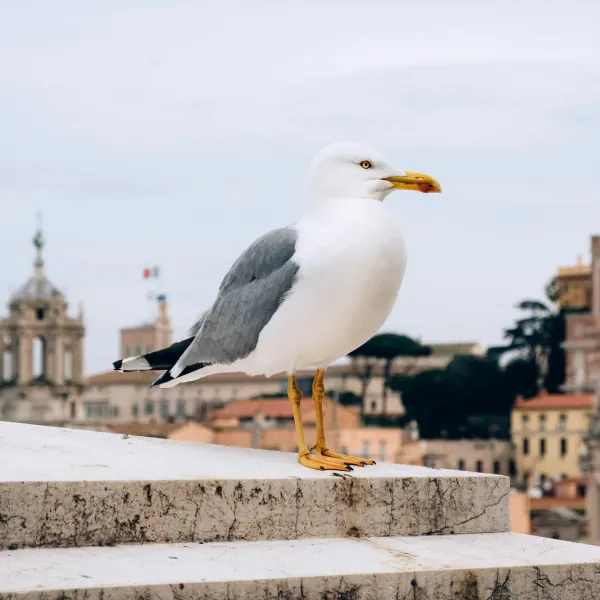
x=574, y=286
x=547, y=434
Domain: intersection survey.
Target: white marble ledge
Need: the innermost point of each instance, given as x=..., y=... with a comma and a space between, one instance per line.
x=506, y=564
x=38, y=453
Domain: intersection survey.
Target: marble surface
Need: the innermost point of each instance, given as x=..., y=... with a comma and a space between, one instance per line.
x=38, y=453
x=498, y=566
x=61, y=488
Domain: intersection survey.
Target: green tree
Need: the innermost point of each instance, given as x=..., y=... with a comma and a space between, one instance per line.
x=535, y=341
x=345, y=397
x=469, y=398
x=384, y=347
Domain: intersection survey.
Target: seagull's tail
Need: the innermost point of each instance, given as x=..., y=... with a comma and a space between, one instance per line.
x=154, y=361
x=160, y=360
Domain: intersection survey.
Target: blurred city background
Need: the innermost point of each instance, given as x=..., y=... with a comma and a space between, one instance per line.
x=143, y=146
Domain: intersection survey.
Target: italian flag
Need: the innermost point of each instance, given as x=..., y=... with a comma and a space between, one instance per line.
x=151, y=273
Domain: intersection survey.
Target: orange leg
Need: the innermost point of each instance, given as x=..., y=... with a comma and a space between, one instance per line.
x=305, y=458
x=321, y=449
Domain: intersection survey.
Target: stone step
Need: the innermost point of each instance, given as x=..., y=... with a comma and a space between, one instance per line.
x=501, y=566
x=62, y=488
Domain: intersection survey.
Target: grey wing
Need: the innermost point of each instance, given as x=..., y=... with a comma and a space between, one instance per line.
x=248, y=297
x=195, y=328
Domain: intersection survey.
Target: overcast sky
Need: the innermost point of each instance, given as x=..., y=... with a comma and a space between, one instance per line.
x=174, y=133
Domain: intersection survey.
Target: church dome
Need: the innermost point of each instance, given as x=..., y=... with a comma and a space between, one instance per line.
x=37, y=287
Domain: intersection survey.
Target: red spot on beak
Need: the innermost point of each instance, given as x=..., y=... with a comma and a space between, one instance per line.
x=425, y=187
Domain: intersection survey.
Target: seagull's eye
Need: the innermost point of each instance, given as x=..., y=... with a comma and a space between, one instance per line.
x=366, y=164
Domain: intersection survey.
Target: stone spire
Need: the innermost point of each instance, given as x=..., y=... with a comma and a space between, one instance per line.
x=37, y=287
x=38, y=242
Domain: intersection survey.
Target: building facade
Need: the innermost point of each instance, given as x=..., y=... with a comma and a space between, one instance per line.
x=581, y=292
x=41, y=371
x=148, y=337
x=482, y=456
x=113, y=397
x=574, y=286
x=548, y=433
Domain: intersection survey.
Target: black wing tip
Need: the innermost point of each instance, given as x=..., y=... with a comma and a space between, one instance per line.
x=118, y=365
x=162, y=378
x=166, y=376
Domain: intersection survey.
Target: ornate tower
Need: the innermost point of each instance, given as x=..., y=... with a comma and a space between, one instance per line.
x=41, y=350
x=148, y=337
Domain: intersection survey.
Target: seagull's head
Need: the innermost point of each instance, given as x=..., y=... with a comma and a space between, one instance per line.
x=353, y=170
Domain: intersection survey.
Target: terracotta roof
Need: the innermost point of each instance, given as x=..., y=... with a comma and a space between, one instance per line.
x=270, y=407
x=553, y=502
x=556, y=401
x=143, y=377
x=275, y=408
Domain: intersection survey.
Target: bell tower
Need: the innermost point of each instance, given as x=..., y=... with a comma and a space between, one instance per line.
x=41, y=349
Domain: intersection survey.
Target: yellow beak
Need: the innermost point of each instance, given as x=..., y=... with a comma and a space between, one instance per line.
x=415, y=181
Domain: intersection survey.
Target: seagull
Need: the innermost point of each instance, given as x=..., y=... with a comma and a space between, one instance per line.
x=305, y=295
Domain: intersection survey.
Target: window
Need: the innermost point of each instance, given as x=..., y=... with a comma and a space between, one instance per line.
x=563, y=447
x=127, y=350
x=525, y=446
x=68, y=365
x=366, y=449
x=479, y=466
x=164, y=409
x=149, y=407
x=512, y=467
x=497, y=467
x=542, y=447
x=7, y=365
x=181, y=408
x=100, y=409
x=525, y=419
x=382, y=447
x=40, y=314
x=373, y=405
x=39, y=357
x=542, y=422
x=135, y=410
x=138, y=349
x=562, y=422
x=461, y=464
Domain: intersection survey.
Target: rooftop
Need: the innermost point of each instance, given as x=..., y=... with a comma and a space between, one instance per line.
x=579, y=269
x=37, y=287
x=556, y=402
x=273, y=408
